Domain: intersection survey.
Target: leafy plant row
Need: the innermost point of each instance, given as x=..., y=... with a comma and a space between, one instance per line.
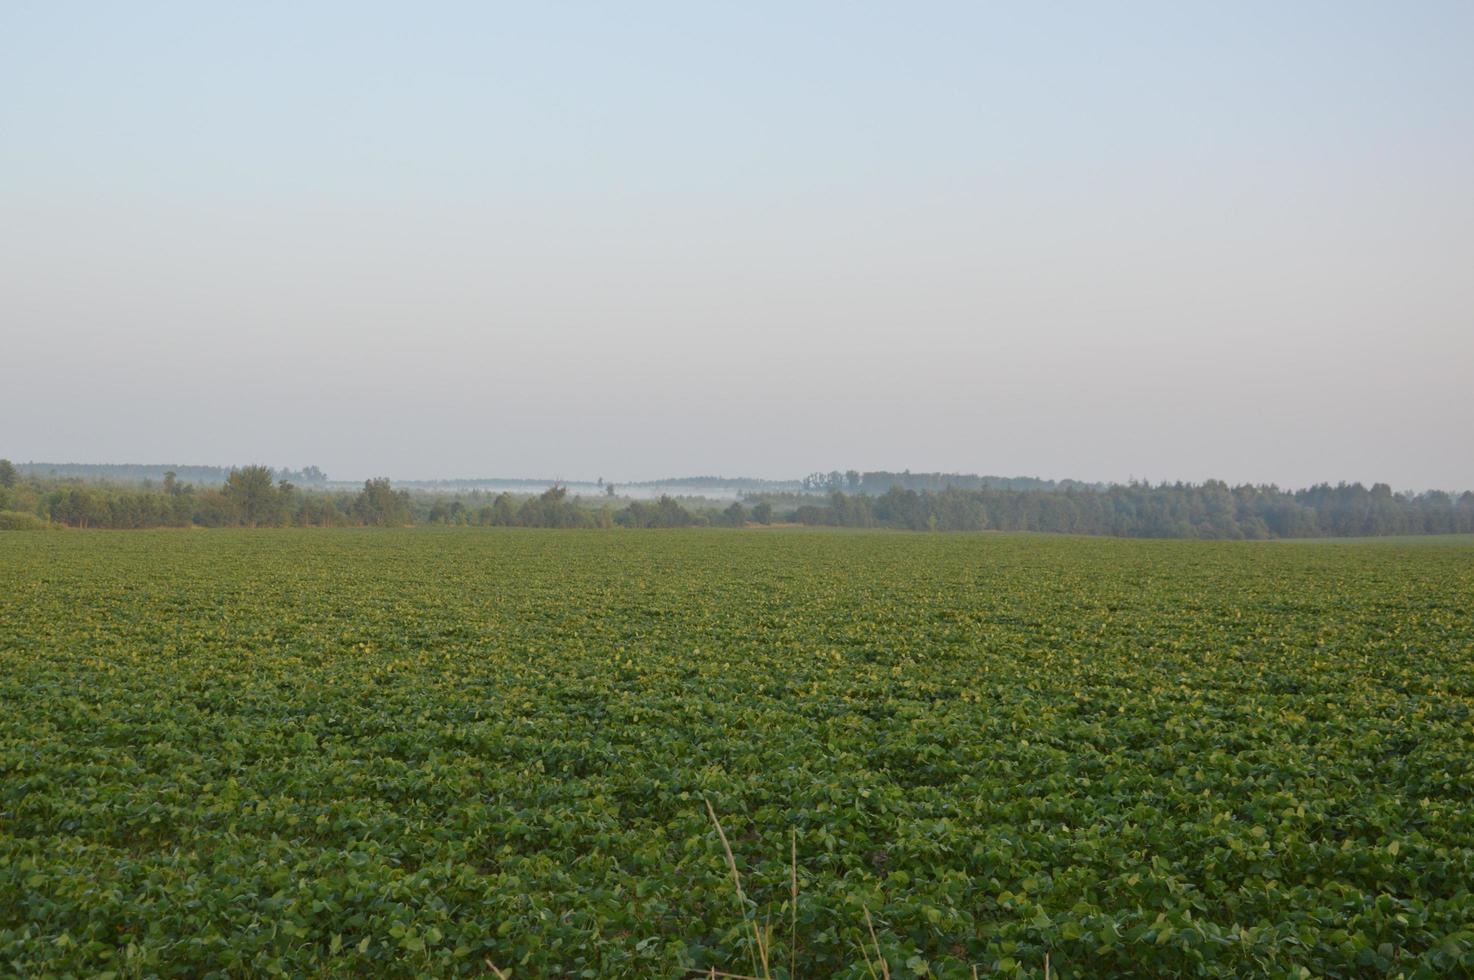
x=420, y=751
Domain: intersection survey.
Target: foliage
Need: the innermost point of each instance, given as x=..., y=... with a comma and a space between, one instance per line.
x=422, y=751
x=1182, y=510
x=665, y=512
x=380, y=504
x=877, y=482
x=15, y=520
x=134, y=473
x=253, y=494
x=1208, y=510
x=552, y=508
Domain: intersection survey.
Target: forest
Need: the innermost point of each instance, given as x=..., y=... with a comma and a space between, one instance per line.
x=254, y=496
x=1211, y=509
x=147, y=474
x=258, y=496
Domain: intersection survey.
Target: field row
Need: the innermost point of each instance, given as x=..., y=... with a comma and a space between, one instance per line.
x=426, y=751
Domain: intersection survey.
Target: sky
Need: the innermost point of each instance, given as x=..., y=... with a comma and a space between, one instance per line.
x=1101, y=241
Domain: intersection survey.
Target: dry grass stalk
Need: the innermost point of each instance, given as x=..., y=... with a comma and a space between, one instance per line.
x=758, y=944
x=885, y=968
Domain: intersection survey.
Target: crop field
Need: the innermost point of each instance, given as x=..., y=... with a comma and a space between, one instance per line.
x=442, y=751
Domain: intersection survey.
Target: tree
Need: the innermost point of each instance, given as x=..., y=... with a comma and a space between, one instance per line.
x=552, y=509
x=286, y=496
x=254, y=493
x=763, y=513
x=665, y=512
x=503, y=514
x=378, y=503
x=7, y=473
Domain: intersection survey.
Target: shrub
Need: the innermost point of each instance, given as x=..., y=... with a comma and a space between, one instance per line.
x=19, y=520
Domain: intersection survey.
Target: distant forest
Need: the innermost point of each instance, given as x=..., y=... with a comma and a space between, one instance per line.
x=258, y=496
x=876, y=482
x=254, y=496
x=154, y=473
x=871, y=483
x=1138, y=510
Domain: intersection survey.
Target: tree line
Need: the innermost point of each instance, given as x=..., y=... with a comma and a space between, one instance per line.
x=1211, y=509
x=249, y=496
x=876, y=482
x=149, y=474
x=257, y=496
x=254, y=496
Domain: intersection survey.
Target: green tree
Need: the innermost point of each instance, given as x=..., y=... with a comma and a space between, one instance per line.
x=503, y=513
x=763, y=513
x=254, y=493
x=7, y=473
x=378, y=503
x=552, y=508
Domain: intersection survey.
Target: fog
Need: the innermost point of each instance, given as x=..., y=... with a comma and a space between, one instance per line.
x=1164, y=242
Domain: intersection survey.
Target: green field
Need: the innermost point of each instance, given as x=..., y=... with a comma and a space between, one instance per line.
x=429, y=751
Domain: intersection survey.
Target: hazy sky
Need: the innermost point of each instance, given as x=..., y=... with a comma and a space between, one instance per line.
x=631, y=240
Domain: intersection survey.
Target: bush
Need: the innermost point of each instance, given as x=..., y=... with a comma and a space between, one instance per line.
x=19, y=520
